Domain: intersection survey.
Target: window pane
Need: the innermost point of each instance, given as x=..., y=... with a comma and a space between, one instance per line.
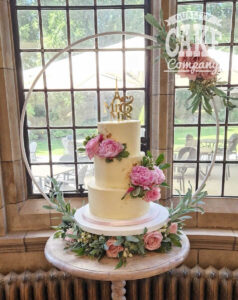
x=57, y=74
x=214, y=183
x=65, y=174
x=28, y=23
x=85, y=104
x=60, y=109
x=134, y=22
x=81, y=134
x=52, y=2
x=134, y=1
x=84, y=70
x=232, y=143
x=41, y=174
x=223, y=52
x=108, y=2
x=135, y=69
x=185, y=143
x=234, y=70
x=190, y=25
x=54, y=29
x=211, y=119
x=208, y=141
x=138, y=112
x=82, y=25
x=62, y=145
x=109, y=20
x=26, y=2
x=110, y=68
x=223, y=11
x=182, y=115
x=231, y=187
x=38, y=145
x=183, y=177
x=31, y=65
x=179, y=81
x=236, y=25
x=233, y=114
x=36, y=114
x=106, y=97
x=84, y=170
x=81, y=2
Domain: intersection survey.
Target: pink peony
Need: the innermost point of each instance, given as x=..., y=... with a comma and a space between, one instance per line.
x=113, y=250
x=173, y=228
x=153, y=194
x=93, y=145
x=208, y=68
x=189, y=61
x=152, y=240
x=158, y=176
x=142, y=176
x=67, y=238
x=109, y=148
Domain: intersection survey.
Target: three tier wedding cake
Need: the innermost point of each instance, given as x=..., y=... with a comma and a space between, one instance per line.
x=112, y=179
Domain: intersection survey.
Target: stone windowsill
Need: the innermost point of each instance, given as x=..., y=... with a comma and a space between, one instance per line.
x=219, y=213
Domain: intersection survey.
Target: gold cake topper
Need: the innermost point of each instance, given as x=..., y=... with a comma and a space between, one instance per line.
x=120, y=108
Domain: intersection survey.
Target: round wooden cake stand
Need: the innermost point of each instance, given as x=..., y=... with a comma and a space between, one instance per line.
x=137, y=267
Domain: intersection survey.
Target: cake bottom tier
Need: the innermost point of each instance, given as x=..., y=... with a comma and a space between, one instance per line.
x=107, y=203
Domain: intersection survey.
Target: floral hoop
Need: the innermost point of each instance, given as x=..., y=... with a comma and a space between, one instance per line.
x=23, y=113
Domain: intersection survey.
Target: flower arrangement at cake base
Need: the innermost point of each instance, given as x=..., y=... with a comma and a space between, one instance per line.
x=83, y=243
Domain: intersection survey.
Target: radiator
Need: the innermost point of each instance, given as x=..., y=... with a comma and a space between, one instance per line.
x=179, y=284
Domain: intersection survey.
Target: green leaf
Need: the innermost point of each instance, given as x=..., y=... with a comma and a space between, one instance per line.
x=175, y=239
x=164, y=166
x=81, y=149
x=132, y=239
x=79, y=251
x=136, y=192
x=109, y=160
x=152, y=21
x=48, y=207
x=164, y=184
x=159, y=159
x=120, y=264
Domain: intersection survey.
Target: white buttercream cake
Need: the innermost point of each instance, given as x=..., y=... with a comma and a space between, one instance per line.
x=111, y=180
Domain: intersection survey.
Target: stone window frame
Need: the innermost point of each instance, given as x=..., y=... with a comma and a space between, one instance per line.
x=17, y=213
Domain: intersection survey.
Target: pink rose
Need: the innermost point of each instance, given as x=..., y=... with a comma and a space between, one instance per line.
x=113, y=250
x=158, y=176
x=152, y=240
x=142, y=176
x=173, y=228
x=67, y=238
x=109, y=148
x=152, y=195
x=189, y=61
x=93, y=145
x=208, y=68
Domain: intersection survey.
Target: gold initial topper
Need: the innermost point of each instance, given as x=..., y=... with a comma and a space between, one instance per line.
x=120, y=108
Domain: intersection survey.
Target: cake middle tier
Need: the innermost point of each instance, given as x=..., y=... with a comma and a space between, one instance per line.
x=114, y=174
x=106, y=203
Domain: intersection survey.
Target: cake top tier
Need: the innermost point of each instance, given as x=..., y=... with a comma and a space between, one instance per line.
x=126, y=132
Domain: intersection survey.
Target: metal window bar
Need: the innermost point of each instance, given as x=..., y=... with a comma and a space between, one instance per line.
x=80, y=191
x=225, y=161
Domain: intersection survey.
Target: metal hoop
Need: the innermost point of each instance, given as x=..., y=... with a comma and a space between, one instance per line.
x=124, y=33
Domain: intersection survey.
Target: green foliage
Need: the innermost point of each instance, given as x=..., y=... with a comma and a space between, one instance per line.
x=202, y=93
x=95, y=246
x=187, y=204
